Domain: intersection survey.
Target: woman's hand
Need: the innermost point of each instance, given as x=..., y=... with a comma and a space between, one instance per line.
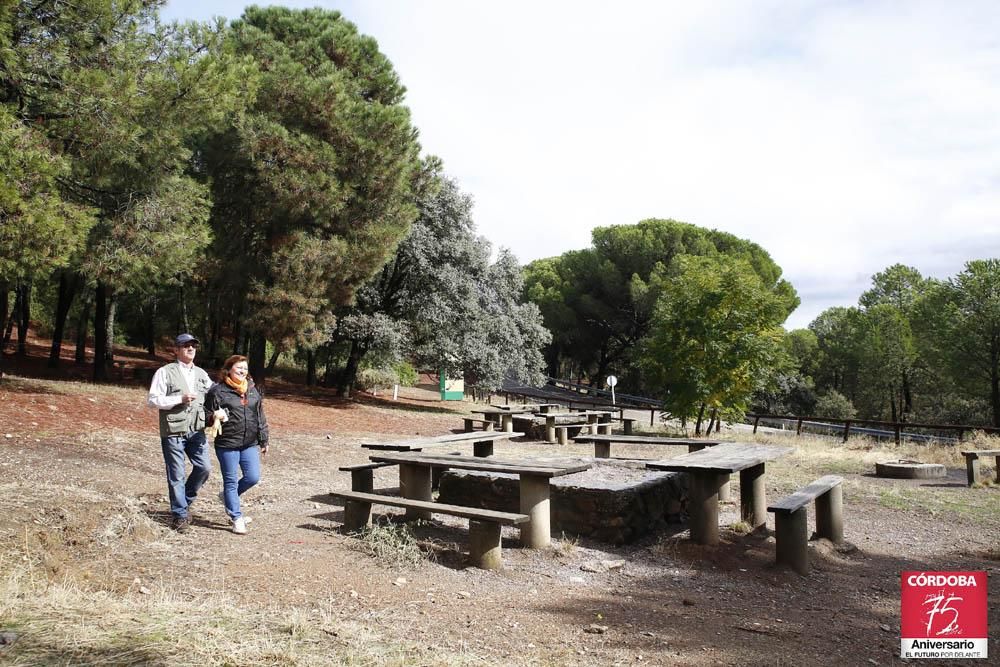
x=221, y=415
x=263, y=450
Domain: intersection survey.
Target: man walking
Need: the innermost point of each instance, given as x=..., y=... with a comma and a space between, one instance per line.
x=178, y=392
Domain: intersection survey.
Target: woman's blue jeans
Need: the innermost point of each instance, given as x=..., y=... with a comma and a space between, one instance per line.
x=231, y=462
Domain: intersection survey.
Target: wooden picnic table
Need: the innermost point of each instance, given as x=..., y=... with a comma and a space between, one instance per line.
x=482, y=442
x=708, y=469
x=602, y=443
x=534, y=474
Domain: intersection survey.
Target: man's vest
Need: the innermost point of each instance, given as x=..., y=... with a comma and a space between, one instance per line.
x=186, y=417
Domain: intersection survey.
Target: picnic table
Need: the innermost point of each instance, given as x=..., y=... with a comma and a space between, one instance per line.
x=502, y=416
x=534, y=474
x=708, y=469
x=602, y=443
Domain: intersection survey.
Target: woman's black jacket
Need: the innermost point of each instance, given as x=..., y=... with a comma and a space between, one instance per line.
x=247, y=424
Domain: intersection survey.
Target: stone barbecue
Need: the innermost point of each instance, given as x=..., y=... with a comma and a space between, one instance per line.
x=616, y=501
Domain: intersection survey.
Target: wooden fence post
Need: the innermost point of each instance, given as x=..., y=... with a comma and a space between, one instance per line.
x=756, y=420
x=798, y=429
x=847, y=429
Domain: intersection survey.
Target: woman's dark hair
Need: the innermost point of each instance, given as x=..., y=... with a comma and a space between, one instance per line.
x=230, y=362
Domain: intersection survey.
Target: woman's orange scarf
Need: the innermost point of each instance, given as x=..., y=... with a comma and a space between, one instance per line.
x=241, y=387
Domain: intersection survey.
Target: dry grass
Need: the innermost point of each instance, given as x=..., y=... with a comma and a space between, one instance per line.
x=391, y=544
x=58, y=623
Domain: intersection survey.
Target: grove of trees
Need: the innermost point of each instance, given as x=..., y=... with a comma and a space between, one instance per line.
x=913, y=349
x=258, y=183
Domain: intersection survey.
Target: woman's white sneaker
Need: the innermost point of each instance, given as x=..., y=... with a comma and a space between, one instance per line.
x=240, y=526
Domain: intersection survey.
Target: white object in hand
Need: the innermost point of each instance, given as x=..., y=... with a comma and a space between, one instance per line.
x=221, y=415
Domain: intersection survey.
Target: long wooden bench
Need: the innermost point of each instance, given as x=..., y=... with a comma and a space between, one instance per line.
x=484, y=525
x=472, y=422
x=972, y=464
x=790, y=530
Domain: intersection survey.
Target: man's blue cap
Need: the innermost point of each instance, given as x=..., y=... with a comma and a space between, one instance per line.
x=184, y=339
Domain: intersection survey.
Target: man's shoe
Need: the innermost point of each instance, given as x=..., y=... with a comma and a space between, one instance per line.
x=181, y=524
x=240, y=526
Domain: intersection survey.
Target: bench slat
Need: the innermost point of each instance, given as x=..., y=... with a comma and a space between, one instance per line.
x=505, y=518
x=806, y=494
x=364, y=466
x=982, y=452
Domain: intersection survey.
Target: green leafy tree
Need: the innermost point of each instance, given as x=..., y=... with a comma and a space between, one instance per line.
x=119, y=95
x=599, y=302
x=958, y=324
x=441, y=302
x=311, y=185
x=715, y=336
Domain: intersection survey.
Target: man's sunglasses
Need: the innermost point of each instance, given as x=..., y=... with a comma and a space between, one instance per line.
x=194, y=345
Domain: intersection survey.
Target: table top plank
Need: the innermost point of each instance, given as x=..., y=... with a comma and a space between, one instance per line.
x=646, y=440
x=541, y=468
x=447, y=439
x=982, y=452
x=730, y=457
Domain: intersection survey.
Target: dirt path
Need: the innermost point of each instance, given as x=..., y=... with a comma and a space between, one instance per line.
x=82, y=491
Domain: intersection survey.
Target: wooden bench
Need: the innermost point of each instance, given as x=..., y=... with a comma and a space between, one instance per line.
x=562, y=431
x=972, y=464
x=484, y=525
x=790, y=520
x=363, y=476
x=472, y=422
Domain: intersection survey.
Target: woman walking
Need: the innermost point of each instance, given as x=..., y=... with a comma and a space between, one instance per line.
x=239, y=446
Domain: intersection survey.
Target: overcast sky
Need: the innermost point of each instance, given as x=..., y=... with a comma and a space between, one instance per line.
x=843, y=137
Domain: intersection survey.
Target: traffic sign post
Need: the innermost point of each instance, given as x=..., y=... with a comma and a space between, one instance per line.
x=611, y=382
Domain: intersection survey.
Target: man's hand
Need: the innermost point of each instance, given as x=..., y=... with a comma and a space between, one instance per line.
x=187, y=398
x=263, y=450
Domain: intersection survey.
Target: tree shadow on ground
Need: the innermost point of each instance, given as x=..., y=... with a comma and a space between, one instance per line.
x=845, y=611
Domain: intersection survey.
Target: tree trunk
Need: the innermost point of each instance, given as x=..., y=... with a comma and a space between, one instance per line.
x=258, y=350
x=273, y=361
x=4, y=302
x=311, y=368
x=151, y=329
x=185, y=326
x=109, y=353
x=82, y=323
x=68, y=284
x=100, y=332
x=350, y=374
x=23, y=317
x=697, y=424
x=892, y=401
x=907, y=395
x=213, y=334
x=995, y=388
x=14, y=314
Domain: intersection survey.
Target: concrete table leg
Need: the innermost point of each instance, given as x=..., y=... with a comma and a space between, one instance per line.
x=564, y=436
x=602, y=450
x=484, y=448
x=484, y=545
x=628, y=427
x=550, y=429
x=972, y=469
x=535, y=534
x=791, y=540
x=753, y=503
x=357, y=515
x=508, y=423
x=363, y=480
x=704, y=508
x=415, y=483
x=592, y=424
x=725, y=491
x=830, y=515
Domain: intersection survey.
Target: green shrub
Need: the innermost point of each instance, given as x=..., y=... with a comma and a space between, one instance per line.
x=406, y=373
x=835, y=405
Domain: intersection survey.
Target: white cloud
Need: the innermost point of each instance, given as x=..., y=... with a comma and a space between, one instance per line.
x=842, y=137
